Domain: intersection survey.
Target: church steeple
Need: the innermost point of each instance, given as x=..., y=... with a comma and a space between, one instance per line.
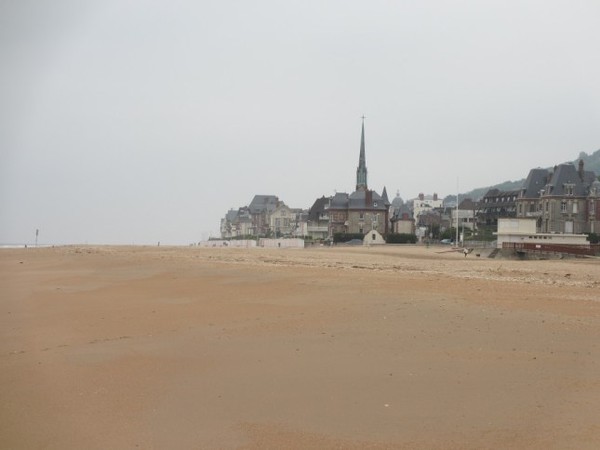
x=361, y=171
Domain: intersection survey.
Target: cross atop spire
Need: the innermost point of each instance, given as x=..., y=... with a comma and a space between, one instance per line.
x=361, y=171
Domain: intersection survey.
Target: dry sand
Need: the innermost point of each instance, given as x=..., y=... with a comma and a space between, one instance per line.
x=395, y=347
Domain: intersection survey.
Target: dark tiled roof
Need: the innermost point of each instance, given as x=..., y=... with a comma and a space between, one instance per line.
x=492, y=193
x=497, y=198
x=261, y=203
x=231, y=215
x=318, y=208
x=358, y=200
x=339, y=201
x=536, y=180
x=403, y=210
x=468, y=204
x=567, y=174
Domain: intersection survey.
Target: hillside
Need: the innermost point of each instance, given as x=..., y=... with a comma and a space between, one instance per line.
x=591, y=162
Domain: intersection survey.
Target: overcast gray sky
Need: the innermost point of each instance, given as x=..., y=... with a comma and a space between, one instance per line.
x=142, y=121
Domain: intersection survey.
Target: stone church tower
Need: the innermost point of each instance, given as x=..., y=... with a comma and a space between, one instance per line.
x=362, y=211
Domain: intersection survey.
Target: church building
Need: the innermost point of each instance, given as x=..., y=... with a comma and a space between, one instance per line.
x=363, y=210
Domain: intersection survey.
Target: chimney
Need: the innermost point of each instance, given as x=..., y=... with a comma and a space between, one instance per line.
x=369, y=198
x=435, y=197
x=421, y=196
x=581, y=171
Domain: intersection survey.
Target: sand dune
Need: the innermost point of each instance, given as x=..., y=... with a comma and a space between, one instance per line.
x=390, y=347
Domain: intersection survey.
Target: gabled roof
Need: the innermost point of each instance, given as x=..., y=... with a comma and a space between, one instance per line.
x=339, y=201
x=243, y=215
x=261, y=203
x=318, y=208
x=567, y=174
x=535, y=182
x=402, y=211
x=360, y=200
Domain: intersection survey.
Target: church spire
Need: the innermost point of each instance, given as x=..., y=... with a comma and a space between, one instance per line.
x=361, y=171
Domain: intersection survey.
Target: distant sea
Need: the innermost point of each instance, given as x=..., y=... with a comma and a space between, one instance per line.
x=24, y=245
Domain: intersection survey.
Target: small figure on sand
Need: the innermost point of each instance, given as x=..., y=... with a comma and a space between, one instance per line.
x=466, y=251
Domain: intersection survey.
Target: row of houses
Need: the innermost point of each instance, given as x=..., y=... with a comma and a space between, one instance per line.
x=265, y=216
x=565, y=199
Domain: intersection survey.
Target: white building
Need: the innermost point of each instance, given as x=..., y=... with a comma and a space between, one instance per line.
x=523, y=231
x=425, y=203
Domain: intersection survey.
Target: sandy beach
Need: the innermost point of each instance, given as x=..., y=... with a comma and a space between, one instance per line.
x=390, y=347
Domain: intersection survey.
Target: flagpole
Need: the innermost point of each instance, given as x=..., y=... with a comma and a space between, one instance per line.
x=456, y=212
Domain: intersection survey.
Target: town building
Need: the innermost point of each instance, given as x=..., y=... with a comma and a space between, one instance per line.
x=497, y=204
x=260, y=209
x=425, y=203
x=524, y=231
x=283, y=221
x=318, y=219
x=594, y=207
x=559, y=199
x=402, y=221
x=236, y=223
x=464, y=216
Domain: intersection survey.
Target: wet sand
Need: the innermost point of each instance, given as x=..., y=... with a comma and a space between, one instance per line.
x=391, y=347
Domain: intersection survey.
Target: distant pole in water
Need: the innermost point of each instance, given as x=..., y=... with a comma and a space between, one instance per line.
x=37, y=233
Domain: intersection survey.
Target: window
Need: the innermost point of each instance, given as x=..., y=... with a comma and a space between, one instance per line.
x=373, y=236
x=575, y=207
x=563, y=207
x=361, y=216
